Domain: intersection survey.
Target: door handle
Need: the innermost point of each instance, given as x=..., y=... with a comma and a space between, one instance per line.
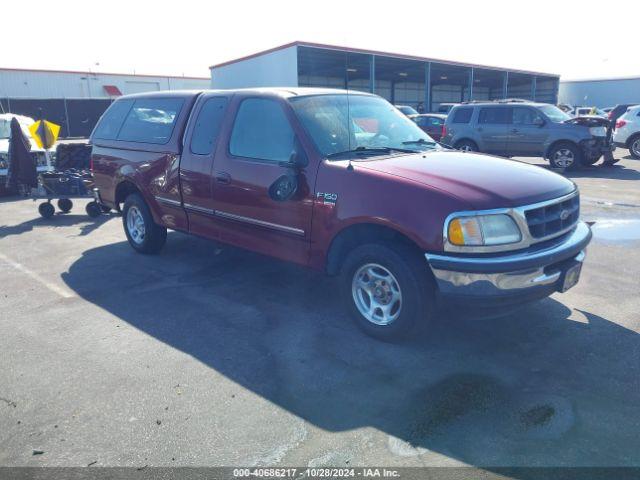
x=479, y=129
x=223, y=177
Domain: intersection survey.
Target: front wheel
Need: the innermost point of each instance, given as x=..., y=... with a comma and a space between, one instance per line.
x=634, y=147
x=467, y=146
x=387, y=289
x=565, y=156
x=144, y=235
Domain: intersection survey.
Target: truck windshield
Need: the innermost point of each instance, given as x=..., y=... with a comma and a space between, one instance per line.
x=5, y=129
x=349, y=123
x=554, y=113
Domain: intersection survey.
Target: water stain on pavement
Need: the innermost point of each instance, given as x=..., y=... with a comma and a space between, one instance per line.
x=617, y=230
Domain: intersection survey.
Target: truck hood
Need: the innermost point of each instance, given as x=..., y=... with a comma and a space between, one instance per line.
x=482, y=181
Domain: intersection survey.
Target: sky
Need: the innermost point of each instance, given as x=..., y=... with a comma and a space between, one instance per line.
x=576, y=39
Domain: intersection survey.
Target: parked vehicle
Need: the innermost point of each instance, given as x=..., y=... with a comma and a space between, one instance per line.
x=42, y=158
x=407, y=110
x=527, y=129
x=627, y=131
x=619, y=110
x=445, y=108
x=431, y=123
x=583, y=111
x=404, y=223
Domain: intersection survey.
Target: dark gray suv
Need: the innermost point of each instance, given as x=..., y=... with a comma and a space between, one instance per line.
x=527, y=129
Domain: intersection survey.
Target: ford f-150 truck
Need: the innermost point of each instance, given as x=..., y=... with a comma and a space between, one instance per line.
x=344, y=183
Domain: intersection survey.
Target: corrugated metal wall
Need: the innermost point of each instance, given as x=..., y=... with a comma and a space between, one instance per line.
x=600, y=93
x=44, y=84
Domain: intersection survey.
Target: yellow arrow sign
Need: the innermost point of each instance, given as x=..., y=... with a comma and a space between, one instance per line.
x=44, y=133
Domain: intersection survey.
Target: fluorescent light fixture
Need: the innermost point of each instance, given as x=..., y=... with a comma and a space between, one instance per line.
x=352, y=70
x=443, y=77
x=403, y=74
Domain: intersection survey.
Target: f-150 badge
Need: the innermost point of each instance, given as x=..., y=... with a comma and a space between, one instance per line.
x=327, y=198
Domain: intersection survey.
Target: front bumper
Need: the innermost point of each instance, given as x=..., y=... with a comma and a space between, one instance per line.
x=596, y=147
x=509, y=279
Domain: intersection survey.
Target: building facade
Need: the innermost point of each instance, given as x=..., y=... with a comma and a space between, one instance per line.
x=75, y=100
x=423, y=83
x=600, y=93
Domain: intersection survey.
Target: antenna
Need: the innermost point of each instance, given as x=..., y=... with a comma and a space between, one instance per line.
x=346, y=81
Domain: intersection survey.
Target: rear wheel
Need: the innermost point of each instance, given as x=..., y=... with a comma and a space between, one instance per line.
x=144, y=235
x=565, y=156
x=386, y=289
x=65, y=205
x=46, y=210
x=467, y=146
x=634, y=147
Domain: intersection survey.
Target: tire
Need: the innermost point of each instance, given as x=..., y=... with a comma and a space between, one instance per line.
x=144, y=235
x=565, y=155
x=65, y=205
x=467, y=146
x=46, y=210
x=634, y=147
x=402, y=287
x=93, y=209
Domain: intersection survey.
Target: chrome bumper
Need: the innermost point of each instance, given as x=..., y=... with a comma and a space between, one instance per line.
x=523, y=273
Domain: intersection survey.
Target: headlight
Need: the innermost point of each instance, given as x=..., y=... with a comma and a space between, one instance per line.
x=479, y=230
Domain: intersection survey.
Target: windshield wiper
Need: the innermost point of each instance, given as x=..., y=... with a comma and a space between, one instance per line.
x=362, y=151
x=420, y=141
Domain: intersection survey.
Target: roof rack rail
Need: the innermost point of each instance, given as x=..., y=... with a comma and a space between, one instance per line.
x=498, y=100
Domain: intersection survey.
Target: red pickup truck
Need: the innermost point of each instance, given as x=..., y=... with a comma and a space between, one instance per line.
x=344, y=183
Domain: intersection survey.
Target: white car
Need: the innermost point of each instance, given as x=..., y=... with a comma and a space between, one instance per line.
x=627, y=132
x=43, y=158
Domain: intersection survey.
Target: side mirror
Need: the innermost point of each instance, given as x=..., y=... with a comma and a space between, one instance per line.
x=539, y=122
x=297, y=160
x=284, y=188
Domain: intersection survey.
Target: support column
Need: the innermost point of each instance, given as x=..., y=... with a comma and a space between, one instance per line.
x=533, y=88
x=372, y=74
x=505, y=85
x=471, y=80
x=427, y=87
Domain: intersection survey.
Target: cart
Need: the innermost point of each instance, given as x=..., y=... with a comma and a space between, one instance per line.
x=65, y=187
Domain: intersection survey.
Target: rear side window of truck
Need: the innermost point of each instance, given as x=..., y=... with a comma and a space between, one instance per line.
x=207, y=127
x=151, y=120
x=462, y=115
x=112, y=119
x=261, y=131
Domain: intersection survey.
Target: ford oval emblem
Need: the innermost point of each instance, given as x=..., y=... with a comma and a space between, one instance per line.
x=564, y=214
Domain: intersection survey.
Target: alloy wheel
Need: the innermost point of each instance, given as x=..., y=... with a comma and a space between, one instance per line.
x=377, y=294
x=135, y=224
x=564, y=158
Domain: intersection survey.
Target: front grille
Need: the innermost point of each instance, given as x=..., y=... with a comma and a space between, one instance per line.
x=553, y=219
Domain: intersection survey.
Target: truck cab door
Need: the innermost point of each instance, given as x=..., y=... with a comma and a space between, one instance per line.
x=196, y=163
x=248, y=169
x=492, y=129
x=528, y=132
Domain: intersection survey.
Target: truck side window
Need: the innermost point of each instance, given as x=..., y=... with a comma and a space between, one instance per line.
x=207, y=127
x=524, y=116
x=495, y=116
x=262, y=131
x=462, y=115
x=112, y=119
x=151, y=120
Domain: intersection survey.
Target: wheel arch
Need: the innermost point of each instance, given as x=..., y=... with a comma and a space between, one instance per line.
x=124, y=188
x=560, y=141
x=357, y=234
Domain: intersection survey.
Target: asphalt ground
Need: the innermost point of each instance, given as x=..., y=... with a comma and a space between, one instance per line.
x=207, y=355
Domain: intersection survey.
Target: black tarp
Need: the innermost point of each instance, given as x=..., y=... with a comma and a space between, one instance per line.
x=76, y=117
x=22, y=165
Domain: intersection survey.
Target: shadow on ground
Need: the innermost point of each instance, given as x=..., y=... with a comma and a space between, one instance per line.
x=531, y=389
x=58, y=220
